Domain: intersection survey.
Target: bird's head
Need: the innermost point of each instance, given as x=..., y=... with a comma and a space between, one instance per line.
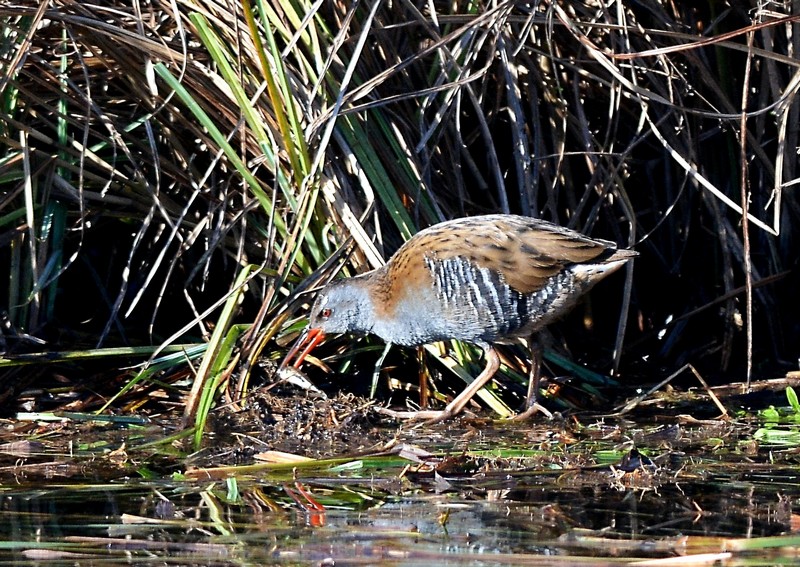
x=344, y=306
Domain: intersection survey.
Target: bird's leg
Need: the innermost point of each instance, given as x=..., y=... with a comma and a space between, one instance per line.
x=457, y=405
x=461, y=400
x=534, y=375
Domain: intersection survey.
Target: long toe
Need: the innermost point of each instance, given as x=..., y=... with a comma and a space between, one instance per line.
x=428, y=416
x=531, y=411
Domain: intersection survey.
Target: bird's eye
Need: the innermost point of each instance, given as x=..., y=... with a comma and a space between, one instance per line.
x=325, y=313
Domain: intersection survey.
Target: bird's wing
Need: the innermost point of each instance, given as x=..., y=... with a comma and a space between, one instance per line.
x=526, y=252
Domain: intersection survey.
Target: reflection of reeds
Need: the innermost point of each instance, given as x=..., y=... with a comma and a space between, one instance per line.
x=149, y=159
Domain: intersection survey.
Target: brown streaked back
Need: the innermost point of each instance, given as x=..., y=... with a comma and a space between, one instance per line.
x=525, y=251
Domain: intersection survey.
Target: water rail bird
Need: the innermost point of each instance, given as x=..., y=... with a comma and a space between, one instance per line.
x=482, y=280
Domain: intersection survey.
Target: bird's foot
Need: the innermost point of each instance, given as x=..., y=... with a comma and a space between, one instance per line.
x=533, y=410
x=428, y=416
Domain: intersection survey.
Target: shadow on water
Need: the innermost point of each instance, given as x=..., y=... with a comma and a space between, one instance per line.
x=588, y=490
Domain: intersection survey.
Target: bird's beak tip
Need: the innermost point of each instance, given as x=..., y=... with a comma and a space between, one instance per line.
x=309, y=339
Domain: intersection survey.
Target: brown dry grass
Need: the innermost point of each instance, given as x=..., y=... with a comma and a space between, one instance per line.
x=125, y=219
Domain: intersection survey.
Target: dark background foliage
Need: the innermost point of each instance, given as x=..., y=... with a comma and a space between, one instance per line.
x=601, y=120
